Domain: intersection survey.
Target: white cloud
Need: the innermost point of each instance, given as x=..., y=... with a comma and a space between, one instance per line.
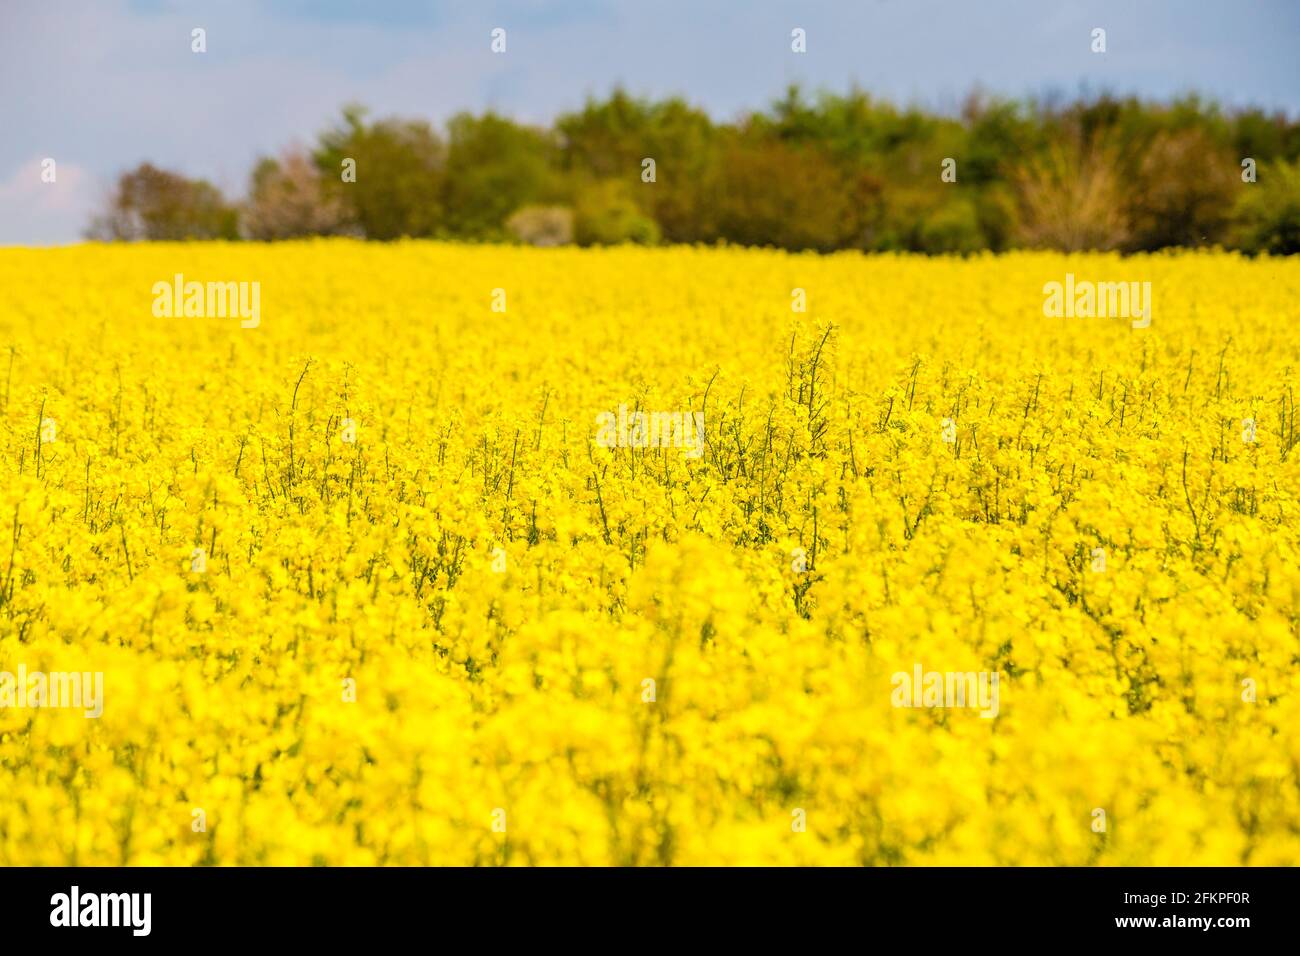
x=37, y=213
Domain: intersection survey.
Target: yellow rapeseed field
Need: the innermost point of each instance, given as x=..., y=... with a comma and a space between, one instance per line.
x=366, y=585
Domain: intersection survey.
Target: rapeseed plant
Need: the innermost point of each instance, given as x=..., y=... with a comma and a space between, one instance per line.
x=365, y=587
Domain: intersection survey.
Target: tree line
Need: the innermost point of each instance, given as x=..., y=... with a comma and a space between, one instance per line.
x=807, y=173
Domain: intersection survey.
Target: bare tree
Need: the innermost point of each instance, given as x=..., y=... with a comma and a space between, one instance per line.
x=286, y=200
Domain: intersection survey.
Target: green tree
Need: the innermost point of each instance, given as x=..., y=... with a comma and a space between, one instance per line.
x=494, y=167
x=1267, y=214
x=606, y=140
x=778, y=195
x=610, y=139
x=153, y=203
x=399, y=166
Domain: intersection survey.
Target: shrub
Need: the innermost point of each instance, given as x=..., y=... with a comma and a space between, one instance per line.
x=606, y=215
x=542, y=225
x=952, y=227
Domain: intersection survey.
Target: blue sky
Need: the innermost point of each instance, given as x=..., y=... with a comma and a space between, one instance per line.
x=100, y=85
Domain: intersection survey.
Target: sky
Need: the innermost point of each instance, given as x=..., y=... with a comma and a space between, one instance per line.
x=102, y=85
